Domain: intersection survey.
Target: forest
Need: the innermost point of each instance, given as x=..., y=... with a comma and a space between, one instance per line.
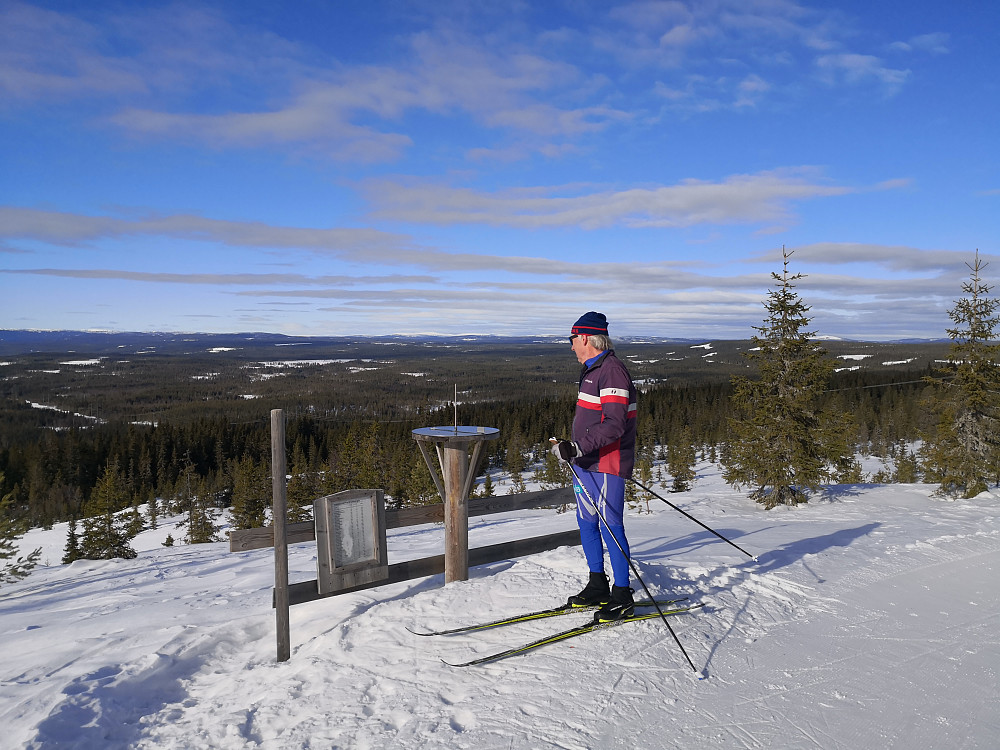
x=165, y=420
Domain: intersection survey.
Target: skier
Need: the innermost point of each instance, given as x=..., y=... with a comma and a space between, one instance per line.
x=602, y=453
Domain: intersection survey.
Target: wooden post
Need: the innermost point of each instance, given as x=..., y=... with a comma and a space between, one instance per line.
x=457, y=475
x=278, y=521
x=454, y=465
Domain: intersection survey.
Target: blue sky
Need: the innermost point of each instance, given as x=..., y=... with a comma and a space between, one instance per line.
x=325, y=168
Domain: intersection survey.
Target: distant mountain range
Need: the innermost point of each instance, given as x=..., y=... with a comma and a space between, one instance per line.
x=111, y=342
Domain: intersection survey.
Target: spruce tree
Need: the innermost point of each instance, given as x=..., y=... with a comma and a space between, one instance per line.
x=487, y=489
x=136, y=523
x=251, y=494
x=356, y=464
x=645, y=456
x=907, y=467
x=72, y=549
x=421, y=489
x=10, y=531
x=644, y=469
x=552, y=473
x=962, y=453
x=781, y=444
x=681, y=460
x=515, y=463
x=105, y=529
x=632, y=496
x=200, y=521
x=303, y=488
x=152, y=511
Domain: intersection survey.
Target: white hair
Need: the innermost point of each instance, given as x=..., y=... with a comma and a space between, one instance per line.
x=600, y=341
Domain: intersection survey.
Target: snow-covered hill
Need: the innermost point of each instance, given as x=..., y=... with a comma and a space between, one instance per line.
x=870, y=620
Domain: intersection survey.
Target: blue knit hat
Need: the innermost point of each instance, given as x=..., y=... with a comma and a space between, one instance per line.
x=591, y=324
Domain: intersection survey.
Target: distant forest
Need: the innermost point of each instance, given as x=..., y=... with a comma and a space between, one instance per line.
x=173, y=412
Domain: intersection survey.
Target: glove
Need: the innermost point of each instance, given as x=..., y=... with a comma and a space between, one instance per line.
x=565, y=450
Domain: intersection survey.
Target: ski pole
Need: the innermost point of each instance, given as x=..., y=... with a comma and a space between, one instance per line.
x=685, y=513
x=631, y=565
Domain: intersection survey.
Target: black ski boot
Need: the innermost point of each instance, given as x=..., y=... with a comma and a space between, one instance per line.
x=594, y=593
x=621, y=605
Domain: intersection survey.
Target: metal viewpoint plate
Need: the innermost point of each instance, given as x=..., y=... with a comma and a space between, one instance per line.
x=460, y=431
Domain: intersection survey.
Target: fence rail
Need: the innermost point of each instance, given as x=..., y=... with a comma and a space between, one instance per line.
x=242, y=540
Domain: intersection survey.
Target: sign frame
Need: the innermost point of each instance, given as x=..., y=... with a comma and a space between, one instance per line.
x=351, y=548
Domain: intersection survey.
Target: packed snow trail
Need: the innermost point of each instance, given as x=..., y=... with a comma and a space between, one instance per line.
x=869, y=620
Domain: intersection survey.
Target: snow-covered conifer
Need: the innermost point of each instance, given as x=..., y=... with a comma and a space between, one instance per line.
x=106, y=532
x=11, y=530
x=962, y=452
x=781, y=443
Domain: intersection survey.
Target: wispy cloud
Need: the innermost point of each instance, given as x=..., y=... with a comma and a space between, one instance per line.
x=771, y=40
x=223, y=279
x=743, y=199
x=45, y=54
x=738, y=199
x=74, y=229
x=936, y=43
x=627, y=154
x=854, y=68
x=901, y=259
x=168, y=61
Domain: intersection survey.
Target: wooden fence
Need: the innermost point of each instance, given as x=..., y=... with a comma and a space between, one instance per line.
x=307, y=591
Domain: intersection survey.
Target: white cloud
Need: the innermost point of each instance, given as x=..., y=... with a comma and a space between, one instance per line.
x=750, y=90
x=46, y=54
x=73, y=229
x=896, y=258
x=854, y=68
x=222, y=279
x=762, y=197
x=540, y=89
x=935, y=43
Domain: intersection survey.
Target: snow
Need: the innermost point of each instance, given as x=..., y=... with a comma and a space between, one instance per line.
x=302, y=362
x=870, y=619
x=311, y=362
x=35, y=405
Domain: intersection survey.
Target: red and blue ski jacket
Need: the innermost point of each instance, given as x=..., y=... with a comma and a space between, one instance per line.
x=604, y=422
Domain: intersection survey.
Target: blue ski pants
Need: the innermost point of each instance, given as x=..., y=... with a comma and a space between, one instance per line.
x=607, y=491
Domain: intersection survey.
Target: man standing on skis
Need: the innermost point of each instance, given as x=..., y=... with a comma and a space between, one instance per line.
x=602, y=453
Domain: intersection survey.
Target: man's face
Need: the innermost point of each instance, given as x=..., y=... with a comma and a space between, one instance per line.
x=580, y=346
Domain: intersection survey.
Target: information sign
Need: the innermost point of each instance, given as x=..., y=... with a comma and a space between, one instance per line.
x=350, y=539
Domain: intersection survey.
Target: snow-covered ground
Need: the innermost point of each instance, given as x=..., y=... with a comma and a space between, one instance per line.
x=870, y=620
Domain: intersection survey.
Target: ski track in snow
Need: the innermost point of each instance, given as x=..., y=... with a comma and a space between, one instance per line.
x=869, y=619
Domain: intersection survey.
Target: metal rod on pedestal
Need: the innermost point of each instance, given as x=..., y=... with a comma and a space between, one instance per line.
x=457, y=476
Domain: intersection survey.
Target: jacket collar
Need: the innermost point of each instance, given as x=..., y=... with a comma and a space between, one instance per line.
x=594, y=361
